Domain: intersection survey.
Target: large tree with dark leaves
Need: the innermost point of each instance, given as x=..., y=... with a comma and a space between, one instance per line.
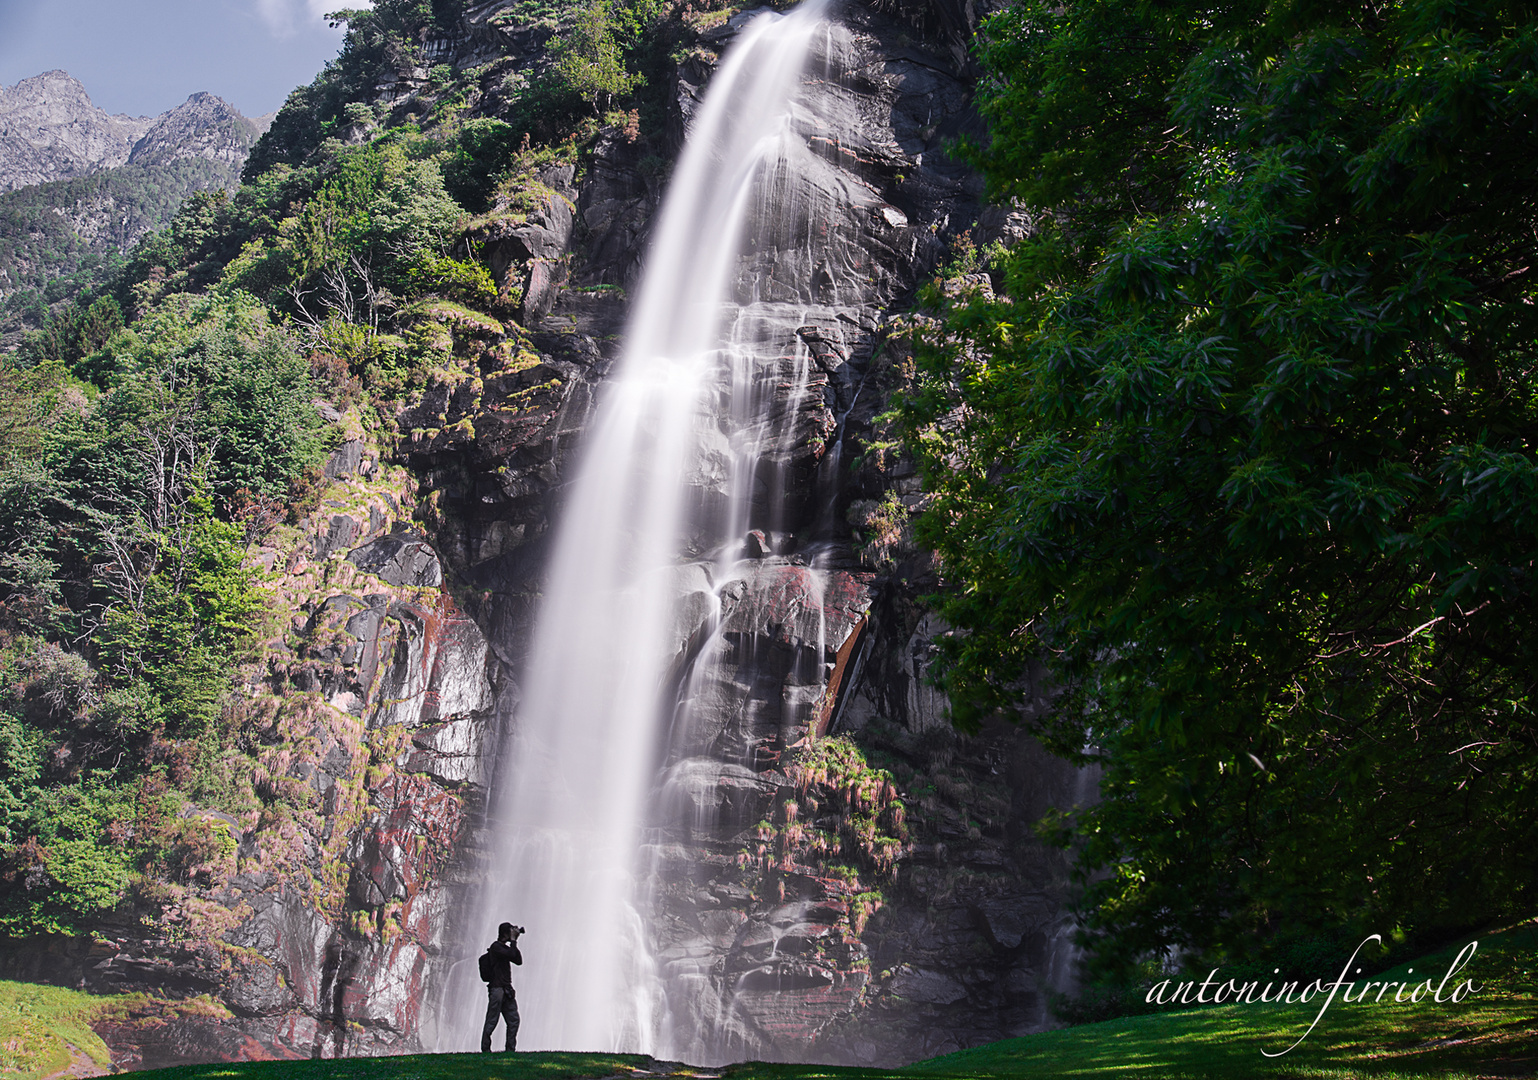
x=1247, y=451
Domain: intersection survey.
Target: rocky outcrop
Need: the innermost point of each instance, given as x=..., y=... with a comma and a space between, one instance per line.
x=76, y=183
x=51, y=130
x=203, y=126
x=309, y=926
x=529, y=253
x=941, y=924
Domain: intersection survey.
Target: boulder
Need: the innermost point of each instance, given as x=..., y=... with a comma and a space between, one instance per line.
x=345, y=460
x=926, y=986
x=340, y=532
x=402, y=559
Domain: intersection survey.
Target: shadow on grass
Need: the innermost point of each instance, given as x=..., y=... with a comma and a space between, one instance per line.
x=1493, y=1032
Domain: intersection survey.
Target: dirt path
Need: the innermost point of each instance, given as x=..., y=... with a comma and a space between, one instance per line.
x=80, y=1065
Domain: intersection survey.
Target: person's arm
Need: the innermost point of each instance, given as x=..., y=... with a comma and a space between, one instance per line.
x=506, y=950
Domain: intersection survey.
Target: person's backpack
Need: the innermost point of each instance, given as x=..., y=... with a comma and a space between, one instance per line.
x=488, y=966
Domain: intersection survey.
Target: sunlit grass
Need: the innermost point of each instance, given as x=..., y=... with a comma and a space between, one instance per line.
x=39, y=1024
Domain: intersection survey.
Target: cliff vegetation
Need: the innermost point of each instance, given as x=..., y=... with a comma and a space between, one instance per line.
x=161, y=426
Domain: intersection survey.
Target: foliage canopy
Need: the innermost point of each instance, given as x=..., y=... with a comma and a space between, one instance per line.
x=1245, y=451
x=125, y=598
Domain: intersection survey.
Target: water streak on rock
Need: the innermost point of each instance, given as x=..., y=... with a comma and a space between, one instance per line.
x=569, y=800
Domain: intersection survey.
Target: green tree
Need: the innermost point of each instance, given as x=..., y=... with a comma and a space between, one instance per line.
x=217, y=372
x=480, y=155
x=179, y=625
x=74, y=863
x=590, y=60
x=33, y=508
x=21, y=766
x=1244, y=453
x=348, y=252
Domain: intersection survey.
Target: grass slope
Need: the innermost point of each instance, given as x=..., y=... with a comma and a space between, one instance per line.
x=40, y=1024
x=1491, y=1033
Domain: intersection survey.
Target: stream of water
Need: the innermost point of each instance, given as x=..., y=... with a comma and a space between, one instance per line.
x=570, y=800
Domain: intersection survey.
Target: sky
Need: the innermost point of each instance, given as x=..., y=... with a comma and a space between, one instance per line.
x=142, y=57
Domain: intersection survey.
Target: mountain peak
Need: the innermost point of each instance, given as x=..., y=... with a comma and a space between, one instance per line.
x=51, y=130
x=202, y=126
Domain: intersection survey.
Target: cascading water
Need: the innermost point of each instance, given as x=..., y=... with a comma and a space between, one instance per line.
x=569, y=803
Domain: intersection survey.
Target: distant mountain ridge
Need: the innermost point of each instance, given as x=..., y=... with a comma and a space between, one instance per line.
x=50, y=129
x=79, y=187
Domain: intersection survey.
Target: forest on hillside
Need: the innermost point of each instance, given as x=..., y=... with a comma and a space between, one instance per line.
x=1238, y=442
x=61, y=238
x=161, y=421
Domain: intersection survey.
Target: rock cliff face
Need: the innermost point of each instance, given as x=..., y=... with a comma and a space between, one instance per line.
x=51, y=130
x=948, y=930
x=76, y=183
x=302, y=930
x=835, y=873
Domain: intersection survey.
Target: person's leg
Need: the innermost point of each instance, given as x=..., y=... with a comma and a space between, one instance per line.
x=493, y=1011
x=510, y=1015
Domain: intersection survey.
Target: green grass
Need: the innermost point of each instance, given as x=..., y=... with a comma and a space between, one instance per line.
x=545, y=1065
x=1491, y=1033
x=39, y=1024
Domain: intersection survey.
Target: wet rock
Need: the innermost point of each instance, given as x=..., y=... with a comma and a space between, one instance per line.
x=795, y=604
x=925, y=986
x=791, y=1004
x=258, y=990
x=705, y=789
x=449, y=752
x=389, y=992
x=437, y=668
x=410, y=835
x=459, y=670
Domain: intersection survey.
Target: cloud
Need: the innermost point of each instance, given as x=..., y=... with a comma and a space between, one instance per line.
x=287, y=17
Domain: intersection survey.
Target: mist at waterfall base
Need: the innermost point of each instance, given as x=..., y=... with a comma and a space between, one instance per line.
x=568, y=806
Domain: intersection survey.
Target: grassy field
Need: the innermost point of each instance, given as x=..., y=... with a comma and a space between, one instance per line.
x=1490, y=1033
x=40, y=1024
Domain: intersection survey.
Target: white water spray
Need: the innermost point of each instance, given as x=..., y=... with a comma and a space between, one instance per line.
x=569, y=801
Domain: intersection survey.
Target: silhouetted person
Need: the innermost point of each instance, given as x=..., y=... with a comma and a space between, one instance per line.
x=500, y=1001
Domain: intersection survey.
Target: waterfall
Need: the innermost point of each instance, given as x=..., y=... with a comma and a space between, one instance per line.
x=570, y=799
